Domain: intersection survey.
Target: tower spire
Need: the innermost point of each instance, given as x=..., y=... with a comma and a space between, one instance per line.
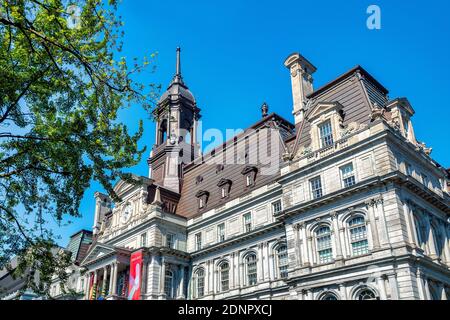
x=178, y=78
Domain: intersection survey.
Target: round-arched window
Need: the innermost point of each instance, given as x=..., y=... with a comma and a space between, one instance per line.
x=366, y=294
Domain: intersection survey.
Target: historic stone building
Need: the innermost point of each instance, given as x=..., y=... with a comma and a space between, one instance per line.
x=355, y=208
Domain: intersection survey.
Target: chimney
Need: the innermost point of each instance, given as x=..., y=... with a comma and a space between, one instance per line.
x=102, y=206
x=302, y=82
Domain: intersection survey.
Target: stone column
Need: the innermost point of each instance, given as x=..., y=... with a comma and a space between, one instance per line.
x=393, y=285
x=232, y=268
x=420, y=285
x=445, y=248
x=343, y=291
x=298, y=258
x=334, y=219
x=260, y=265
x=114, y=284
x=162, y=276
x=383, y=234
x=144, y=278
x=95, y=285
x=442, y=291
x=310, y=250
x=344, y=246
x=268, y=264
x=382, y=286
x=373, y=224
x=427, y=288
x=105, y=277
x=86, y=288
x=409, y=223
x=304, y=244
x=111, y=277
x=431, y=245
x=181, y=294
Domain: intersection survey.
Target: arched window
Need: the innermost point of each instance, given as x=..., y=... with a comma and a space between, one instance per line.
x=366, y=294
x=199, y=283
x=224, y=276
x=329, y=296
x=252, y=273
x=162, y=132
x=418, y=227
x=168, y=284
x=323, y=240
x=282, y=259
x=437, y=239
x=358, y=236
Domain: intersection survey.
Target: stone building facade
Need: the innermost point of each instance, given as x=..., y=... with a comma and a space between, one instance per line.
x=355, y=209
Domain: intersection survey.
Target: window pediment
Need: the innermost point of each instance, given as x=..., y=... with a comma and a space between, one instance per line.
x=224, y=183
x=325, y=107
x=249, y=169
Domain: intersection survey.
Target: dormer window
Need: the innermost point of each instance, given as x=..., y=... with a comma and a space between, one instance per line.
x=224, y=187
x=202, y=197
x=326, y=134
x=250, y=175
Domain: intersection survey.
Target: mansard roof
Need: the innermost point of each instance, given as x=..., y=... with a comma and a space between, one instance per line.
x=207, y=169
x=347, y=74
x=356, y=91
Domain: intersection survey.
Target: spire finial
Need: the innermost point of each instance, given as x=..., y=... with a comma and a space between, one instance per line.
x=178, y=62
x=264, y=110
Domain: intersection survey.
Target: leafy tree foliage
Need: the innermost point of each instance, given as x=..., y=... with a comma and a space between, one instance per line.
x=61, y=87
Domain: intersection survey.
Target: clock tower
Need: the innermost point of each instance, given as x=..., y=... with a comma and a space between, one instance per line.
x=176, y=117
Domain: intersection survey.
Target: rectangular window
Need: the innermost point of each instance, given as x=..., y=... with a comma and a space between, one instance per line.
x=324, y=248
x=221, y=232
x=316, y=187
x=408, y=169
x=326, y=134
x=348, y=175
x=252, y=272
x=276, y=207
x=247, y=222
x=224, y=192
x=198, y=241
x=82, y=285
x=143, y=239
x=358, y=238
x=425, y=180
x=170, y=240
x=249, y=180
x=201, y=204
x=200, y=286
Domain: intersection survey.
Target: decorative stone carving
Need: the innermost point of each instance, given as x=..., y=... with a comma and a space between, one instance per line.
x=377, y=112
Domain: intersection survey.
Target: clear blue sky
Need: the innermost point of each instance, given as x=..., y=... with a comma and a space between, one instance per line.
x=233, y=54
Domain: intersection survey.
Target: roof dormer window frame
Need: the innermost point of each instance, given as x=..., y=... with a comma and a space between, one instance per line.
x=320, y=115
x=202, y=198
x=249, y=173
x=224, y=187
